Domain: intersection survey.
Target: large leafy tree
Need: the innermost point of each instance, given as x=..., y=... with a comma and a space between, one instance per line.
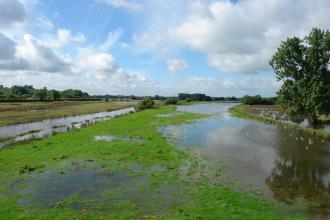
x=303, y=66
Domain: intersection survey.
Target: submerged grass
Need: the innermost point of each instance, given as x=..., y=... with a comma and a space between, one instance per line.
x=202, y=199
x=241, y=111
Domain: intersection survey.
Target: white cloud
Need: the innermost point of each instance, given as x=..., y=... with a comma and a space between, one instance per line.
x=129, y=4
x=65, y=36
x=99, y=62
x=40, y=57
x=112, y=39
x=266, y=86
x=176, y=65
x=241, y=36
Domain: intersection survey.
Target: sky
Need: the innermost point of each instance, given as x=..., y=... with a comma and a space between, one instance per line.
x=149, y=47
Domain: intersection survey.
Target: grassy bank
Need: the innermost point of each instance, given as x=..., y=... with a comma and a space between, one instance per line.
x=71, y=175
x=242, y=111
x=22, y=112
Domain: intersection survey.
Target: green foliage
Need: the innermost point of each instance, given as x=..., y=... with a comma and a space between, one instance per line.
x=40, y=94
x=257, y=100
x=73, y=94
x=303, y=66
x=194, y=97
x=27, y=92
x=54, y=95
x=171, y=101
x=146, y=103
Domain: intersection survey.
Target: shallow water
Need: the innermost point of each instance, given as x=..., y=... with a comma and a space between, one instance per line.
x=49, y=127
x=285, y=164
x=109, y=138
x=96, y=188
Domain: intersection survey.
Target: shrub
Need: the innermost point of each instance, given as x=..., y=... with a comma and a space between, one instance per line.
x=171, y=101
x=146, y=103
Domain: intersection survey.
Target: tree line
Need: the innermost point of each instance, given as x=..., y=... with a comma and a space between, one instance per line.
x=258, y=100
x=28, y=93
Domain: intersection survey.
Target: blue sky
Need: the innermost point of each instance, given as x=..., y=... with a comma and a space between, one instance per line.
x=148, y=47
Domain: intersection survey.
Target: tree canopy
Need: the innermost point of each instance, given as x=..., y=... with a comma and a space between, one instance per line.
x=27, y=92
x=303, y=66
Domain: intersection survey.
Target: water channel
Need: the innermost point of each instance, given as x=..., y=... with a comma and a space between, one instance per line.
x=34, y=130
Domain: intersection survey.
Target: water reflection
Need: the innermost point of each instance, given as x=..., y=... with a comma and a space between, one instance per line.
x=40, y=129
x=287, y=165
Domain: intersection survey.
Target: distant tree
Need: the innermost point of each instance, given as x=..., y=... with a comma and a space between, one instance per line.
x=74, y=94
x=171, y=101
x=258, y=100
x=303, y=66
x=40, y=94
x=54, y=95
x=183, y=96
x=19, y=91
x=132, y=97
x=146, y=103
x=157, y=97
x=252, y=100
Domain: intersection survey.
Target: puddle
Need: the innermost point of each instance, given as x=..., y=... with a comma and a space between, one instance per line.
x=89, y=188
x=109, y=138
x=169, y=115
x=166, y=115
x=52, y=126
x=285, y=164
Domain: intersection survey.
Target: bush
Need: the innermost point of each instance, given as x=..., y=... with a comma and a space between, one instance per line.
x=171, y=101
x=146, y=103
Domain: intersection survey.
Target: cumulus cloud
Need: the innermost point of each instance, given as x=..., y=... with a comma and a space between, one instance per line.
x=11, y=12
x=8, y=60
x=252, y=85
x=40, y=57
x=129, y=4
x=176, y=65
x=7, y=47
x=240, y=36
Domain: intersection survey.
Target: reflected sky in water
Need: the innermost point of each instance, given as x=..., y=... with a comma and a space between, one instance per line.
x=287, y=165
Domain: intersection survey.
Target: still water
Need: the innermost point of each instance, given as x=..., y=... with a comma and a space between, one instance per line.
x=284, y=164
x=40, y=129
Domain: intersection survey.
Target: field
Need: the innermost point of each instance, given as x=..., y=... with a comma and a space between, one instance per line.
x=22, y=112
x=129, y=172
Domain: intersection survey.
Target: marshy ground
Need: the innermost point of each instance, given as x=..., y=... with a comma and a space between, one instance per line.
x=24, y=112
x=125, y=168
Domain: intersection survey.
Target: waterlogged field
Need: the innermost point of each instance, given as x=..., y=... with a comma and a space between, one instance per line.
x=123, y=168
x=23, y=112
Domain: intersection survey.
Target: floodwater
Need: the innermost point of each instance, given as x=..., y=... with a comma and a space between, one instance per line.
x=97, y=188
x=40, y=129
x=109, y=138
x=284, y=164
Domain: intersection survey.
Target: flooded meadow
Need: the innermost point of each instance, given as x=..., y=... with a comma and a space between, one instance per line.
x=273, y=161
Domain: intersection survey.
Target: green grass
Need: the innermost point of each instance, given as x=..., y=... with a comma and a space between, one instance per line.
x=15, y=113
x=241, y=111
x=57, y=154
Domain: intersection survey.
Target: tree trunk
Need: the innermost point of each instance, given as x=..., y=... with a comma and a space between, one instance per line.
x=313, y=121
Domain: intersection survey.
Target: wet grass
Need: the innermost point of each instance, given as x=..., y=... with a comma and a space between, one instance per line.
x=15, y=113
x=3, y=139
x=241, y=111
x=166, y=194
